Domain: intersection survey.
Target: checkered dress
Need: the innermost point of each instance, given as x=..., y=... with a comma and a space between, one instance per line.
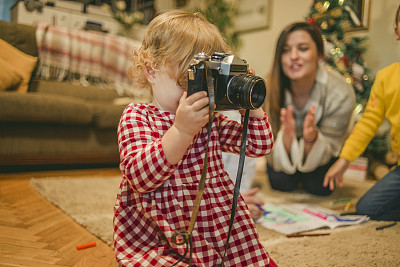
x=156, y=198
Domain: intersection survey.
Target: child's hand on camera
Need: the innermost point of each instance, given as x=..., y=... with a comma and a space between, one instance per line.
x=192, y=113
x=254, y=113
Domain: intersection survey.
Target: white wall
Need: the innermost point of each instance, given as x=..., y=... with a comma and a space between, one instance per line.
x=258, y=46
x=384, y=49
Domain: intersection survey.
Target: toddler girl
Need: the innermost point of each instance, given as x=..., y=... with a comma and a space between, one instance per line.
x=162, y=146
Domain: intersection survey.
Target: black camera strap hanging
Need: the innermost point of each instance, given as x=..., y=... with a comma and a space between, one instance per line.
x=238, y=180
x=186, y=235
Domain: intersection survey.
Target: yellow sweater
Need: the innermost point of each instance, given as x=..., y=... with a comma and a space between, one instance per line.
x=384, y=102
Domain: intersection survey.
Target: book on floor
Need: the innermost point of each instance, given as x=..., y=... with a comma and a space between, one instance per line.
x=296, y=218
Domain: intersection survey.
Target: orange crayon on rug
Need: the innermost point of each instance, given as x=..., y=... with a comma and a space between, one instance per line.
x=87, y=245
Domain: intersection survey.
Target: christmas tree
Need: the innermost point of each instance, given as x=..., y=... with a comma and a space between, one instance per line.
x=344, y=52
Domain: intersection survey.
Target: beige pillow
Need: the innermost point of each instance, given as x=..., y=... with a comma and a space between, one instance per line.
x=21, y=62
x=10, y=79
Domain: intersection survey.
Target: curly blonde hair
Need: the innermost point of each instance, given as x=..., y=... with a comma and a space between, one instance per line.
x=172, y=39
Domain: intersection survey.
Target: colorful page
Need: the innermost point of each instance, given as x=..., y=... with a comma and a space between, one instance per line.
x=295, y=218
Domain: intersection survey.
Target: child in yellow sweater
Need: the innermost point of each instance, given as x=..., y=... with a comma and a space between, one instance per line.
x=382, y=201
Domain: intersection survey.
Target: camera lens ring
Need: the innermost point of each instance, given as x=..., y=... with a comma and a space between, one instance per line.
x=255, y=80
x=250, y=89
x=227, y=90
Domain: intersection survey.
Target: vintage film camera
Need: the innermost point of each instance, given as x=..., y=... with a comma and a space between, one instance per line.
x=234, y=88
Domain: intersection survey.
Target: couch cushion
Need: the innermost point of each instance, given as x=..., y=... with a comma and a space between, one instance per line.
x=107, y=115
x=9, y=76
x=40, y=140
x=36, y=107
x=91, y=93
x=22, y=62
x=21, y=36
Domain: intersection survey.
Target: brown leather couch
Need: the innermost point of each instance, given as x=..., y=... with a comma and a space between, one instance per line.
x=56, y=122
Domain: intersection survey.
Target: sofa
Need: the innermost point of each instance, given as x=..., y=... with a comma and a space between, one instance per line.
x=53, y=122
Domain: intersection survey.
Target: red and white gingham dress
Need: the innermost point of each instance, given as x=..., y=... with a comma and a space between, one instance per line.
x=156, y=198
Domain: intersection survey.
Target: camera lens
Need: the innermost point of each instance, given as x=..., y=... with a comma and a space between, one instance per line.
x=246, y=90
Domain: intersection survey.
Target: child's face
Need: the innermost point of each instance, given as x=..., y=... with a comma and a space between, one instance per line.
x=166, y=91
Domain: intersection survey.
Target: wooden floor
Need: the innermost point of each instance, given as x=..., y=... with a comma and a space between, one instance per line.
x=33, y=232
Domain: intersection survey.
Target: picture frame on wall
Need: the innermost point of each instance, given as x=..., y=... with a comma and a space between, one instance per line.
x=252, y=15
x=360, y=14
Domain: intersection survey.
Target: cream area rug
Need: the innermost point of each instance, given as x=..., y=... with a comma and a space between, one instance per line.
x=90, y=200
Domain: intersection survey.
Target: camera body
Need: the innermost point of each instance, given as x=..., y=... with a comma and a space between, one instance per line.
x=234, y=88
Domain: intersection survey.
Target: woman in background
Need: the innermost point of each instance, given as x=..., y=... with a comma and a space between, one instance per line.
x=311, y=107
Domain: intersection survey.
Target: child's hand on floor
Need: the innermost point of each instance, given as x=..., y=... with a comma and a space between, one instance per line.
x=252, y=201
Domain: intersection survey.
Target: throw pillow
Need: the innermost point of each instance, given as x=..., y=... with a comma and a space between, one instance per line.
x=9, y=76
x=22, y=62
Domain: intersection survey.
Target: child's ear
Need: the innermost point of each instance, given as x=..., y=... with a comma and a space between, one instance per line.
x=149, y=72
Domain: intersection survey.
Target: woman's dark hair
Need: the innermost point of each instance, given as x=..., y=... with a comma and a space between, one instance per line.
x=278, y=81
x=397, y=17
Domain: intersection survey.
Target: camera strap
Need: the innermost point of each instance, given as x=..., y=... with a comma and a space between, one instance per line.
x=186, y=235
x=238, y=180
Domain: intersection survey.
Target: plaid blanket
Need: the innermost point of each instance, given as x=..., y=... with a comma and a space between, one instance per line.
x=84, y=57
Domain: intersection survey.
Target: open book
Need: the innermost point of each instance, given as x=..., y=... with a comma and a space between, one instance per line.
x=295, y=218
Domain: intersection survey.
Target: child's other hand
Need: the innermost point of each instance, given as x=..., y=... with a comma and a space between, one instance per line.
x=335, y=174
x=192, y=113
x=254, y=113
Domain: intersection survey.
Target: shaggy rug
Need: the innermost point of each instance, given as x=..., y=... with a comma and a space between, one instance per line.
x=89, y=201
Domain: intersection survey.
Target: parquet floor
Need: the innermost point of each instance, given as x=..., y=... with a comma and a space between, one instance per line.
x=35, y=233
